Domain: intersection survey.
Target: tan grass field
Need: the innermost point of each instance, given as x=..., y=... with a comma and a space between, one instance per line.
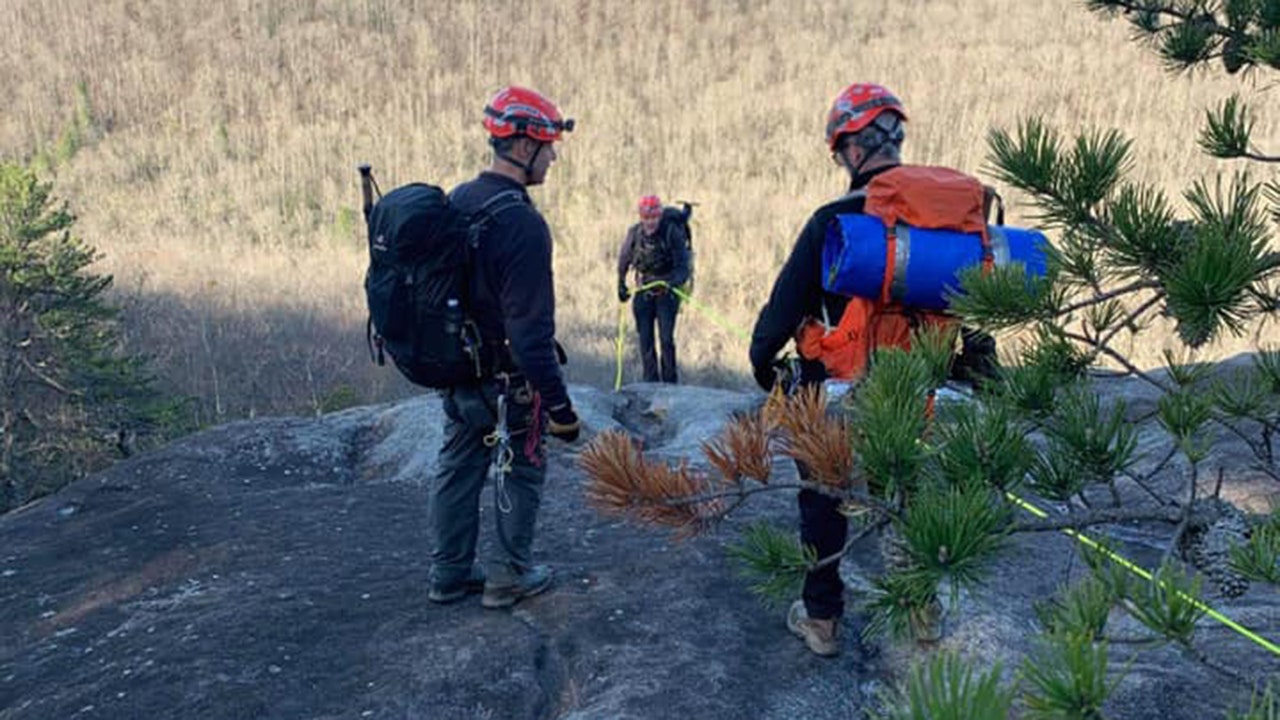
x=214, y=166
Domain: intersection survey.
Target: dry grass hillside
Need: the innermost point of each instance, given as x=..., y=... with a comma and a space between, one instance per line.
x=209, y=147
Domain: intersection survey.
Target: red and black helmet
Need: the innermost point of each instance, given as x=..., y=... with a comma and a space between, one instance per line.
x=856, y=107
x=650, y=206
x=521, y=111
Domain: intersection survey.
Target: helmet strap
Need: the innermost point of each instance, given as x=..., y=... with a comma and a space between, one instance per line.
x=533, y=159
x=525, y=167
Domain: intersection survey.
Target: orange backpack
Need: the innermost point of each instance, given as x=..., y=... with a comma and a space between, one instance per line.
x=919, y=196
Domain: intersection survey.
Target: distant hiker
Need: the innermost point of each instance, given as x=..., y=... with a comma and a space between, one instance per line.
x=657, y=248
x=865, y=131
x=522, y=394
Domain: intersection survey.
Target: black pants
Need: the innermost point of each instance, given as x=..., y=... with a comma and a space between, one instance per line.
x=823, y=528
x=661, y=305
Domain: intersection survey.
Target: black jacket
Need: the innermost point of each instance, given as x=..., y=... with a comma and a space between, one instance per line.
x=797, y=293
x=512, y=290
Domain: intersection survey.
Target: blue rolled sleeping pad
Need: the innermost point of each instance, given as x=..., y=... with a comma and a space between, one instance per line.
x=927, y=262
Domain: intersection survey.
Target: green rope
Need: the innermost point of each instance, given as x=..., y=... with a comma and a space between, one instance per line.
x=707, y=312
x=1146, y=575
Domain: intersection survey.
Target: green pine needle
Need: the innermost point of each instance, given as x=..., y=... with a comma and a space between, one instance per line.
x=1259, y=558
x=953, y=533
x=1264, y=704
x=1081, y=610
x=774, y=562
x=1167, y=604
x=1067, y=678
x=947, y=688
x=1227, y=129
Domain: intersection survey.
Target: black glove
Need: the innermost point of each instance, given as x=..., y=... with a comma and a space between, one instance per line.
x=623, y=293
x=977, y=361
x=564, y=424
x=765, y=376
x=562, y=357
x=784, y=370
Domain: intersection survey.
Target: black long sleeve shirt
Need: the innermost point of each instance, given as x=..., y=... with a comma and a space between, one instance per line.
x=512, y=286
x=797, y=292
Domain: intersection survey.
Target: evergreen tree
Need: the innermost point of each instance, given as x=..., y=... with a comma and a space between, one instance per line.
x=69, y=399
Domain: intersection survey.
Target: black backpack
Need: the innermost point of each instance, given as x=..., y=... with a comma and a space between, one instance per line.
x=420, y=250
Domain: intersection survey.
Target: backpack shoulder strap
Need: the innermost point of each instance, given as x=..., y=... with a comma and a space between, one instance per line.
x=482, y=216
x=493, y=206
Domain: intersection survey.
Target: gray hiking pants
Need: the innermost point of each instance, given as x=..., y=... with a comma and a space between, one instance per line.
x=463, y=466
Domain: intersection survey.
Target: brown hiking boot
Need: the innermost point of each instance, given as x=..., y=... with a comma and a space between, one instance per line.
x=820, y=636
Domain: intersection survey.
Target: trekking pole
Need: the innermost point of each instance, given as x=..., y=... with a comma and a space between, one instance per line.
x=367, y=184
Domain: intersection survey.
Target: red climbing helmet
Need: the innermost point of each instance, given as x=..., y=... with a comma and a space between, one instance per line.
x=856, y=107
x=650, y=206
x=521, y=111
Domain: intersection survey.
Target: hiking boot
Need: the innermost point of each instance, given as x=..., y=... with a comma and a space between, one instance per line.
x=513, y=586
x=453, y=593
x=820, y=636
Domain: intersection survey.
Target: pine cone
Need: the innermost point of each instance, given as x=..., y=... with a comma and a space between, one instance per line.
x=1208, y=548
x=893, y=550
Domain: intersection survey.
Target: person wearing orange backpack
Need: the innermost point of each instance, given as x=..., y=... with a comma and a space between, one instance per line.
x=865, y=130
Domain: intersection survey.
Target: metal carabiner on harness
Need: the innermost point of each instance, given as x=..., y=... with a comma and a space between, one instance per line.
x=503, y=456
x=786, y=371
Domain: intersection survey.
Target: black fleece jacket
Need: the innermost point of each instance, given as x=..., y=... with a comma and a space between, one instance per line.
x=512, y=289
x=797, y=293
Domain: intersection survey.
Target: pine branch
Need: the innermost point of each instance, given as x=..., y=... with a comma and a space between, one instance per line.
x=848, y=545
x=623, y=482
x=1109, y=295
x=742, y=449
x=1140, y=6
x=1227, y=129
x=47, y=381
x=1133, y=317
x=1119, y=358
x=1106, y=516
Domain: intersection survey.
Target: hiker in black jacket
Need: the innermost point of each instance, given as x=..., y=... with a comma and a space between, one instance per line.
x=513, y=304
x=658, y=251
x=865, y=131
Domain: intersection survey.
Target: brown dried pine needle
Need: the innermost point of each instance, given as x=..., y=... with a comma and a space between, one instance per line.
x=816, y=438
x=743, y=449
x=623, y=482
x=615, y=468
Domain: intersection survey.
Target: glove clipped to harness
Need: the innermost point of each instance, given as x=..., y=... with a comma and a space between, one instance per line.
x=563, y=423
x=784, y=370
x=623, y=293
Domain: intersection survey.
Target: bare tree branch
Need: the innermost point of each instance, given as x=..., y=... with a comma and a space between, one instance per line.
x=1106, y=516
x=1118, y=292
